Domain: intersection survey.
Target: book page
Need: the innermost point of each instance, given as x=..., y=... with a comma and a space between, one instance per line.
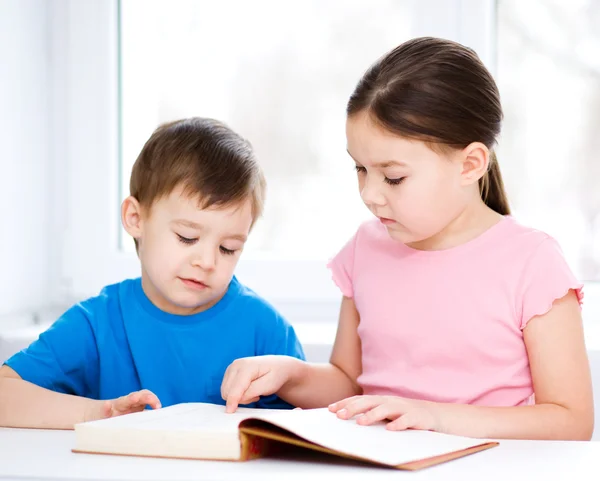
x=182, y=417
x=193, y=430
x=370, y=442
x=206, y=430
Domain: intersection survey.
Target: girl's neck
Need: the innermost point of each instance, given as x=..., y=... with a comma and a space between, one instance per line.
x=473, y=221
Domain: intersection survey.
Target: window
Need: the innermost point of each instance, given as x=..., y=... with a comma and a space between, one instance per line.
x=278, y=72
x=548, y=71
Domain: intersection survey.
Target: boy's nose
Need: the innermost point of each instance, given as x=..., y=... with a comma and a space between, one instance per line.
x=205, y=260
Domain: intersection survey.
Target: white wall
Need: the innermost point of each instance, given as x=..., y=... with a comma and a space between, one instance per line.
x=24, y=155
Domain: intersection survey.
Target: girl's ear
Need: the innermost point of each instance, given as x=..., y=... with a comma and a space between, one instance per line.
x=475, y=161
x=131, y=217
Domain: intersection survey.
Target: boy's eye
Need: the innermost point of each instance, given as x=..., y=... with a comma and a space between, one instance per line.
x=360, y=169
x=228, y=252
x=186, y=240
x=394, y=181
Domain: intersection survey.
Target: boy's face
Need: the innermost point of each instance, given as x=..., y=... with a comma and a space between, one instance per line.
x=187, y=254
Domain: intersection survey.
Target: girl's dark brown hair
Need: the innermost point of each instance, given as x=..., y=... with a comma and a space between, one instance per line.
x=437, y=91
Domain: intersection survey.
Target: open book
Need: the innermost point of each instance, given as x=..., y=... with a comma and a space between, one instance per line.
x=205, y=431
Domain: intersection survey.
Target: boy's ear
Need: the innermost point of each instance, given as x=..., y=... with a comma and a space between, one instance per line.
x=475, y=161
x=131, y=217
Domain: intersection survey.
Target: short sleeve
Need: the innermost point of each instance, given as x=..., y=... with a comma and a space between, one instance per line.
x=547, y=277
x=342, y=267
x=64, y=358
x=280, y=340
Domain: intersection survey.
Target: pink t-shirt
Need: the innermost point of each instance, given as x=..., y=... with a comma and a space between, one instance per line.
x=447, y=325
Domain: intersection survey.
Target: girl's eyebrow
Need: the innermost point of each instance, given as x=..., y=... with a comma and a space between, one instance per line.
x=240, y=237
x=383, y=165
x=390, y=163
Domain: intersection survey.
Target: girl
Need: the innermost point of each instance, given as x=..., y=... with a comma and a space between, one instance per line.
x=455, y=318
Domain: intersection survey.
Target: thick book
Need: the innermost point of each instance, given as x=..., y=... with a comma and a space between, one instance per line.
x=206, y=431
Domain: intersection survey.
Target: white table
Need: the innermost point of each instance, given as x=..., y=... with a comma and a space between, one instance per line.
x=46, y=455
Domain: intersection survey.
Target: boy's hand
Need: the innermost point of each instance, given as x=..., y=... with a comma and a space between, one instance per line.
x=249, y=378
x=402, y=412
x=132, y=403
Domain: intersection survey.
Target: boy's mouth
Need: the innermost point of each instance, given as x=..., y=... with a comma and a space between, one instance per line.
x=194, y=284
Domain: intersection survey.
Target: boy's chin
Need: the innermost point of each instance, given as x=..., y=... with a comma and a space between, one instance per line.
x=189, y=301
x=195, y=302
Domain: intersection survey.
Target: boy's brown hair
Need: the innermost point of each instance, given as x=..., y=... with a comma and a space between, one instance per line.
x=206, y=158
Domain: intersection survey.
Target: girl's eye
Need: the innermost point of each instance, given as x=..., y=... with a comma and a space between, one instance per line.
x=228, y=252
x=185, y=240
x=394, y=181
x=360, y=169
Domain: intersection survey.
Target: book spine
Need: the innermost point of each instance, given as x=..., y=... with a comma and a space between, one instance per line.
x=254, y=447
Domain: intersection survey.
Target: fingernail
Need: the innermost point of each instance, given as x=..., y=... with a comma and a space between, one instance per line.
x=332, y=405
x=342, y=412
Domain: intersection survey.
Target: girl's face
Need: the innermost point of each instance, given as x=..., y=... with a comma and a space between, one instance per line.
x=414, y=191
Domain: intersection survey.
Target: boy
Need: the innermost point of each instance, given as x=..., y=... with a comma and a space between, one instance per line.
x=167, y=337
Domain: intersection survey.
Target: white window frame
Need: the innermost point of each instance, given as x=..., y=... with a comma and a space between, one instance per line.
x=87, y=49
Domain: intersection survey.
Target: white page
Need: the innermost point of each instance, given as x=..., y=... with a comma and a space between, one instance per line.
x=372, y=442
x=200, y=431
x=316, y=425
x=181, y=417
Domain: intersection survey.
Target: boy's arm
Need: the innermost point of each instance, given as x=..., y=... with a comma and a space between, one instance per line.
x=46, y=384
x=25, y=405
x=55, y=381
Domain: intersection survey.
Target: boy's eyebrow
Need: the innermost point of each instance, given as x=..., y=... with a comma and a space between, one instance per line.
x=383, y=165
x=188, y=223
x=195, y=225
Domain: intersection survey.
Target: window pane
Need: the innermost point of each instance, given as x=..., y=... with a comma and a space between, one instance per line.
x=549, y=78
x=280, y=73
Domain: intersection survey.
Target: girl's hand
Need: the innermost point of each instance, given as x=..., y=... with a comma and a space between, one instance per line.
x=249, y=378
x=132, y=403
x=402, y=412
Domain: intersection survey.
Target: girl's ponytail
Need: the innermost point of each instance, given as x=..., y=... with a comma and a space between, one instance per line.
x=491, y=187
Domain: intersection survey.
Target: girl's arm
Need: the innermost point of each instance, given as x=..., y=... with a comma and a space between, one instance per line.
x=318, y=385
x=561, y=379
x=302, y=384
x=564, y=407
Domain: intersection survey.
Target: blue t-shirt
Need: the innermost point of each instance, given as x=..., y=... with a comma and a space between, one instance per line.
x=119, y=342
